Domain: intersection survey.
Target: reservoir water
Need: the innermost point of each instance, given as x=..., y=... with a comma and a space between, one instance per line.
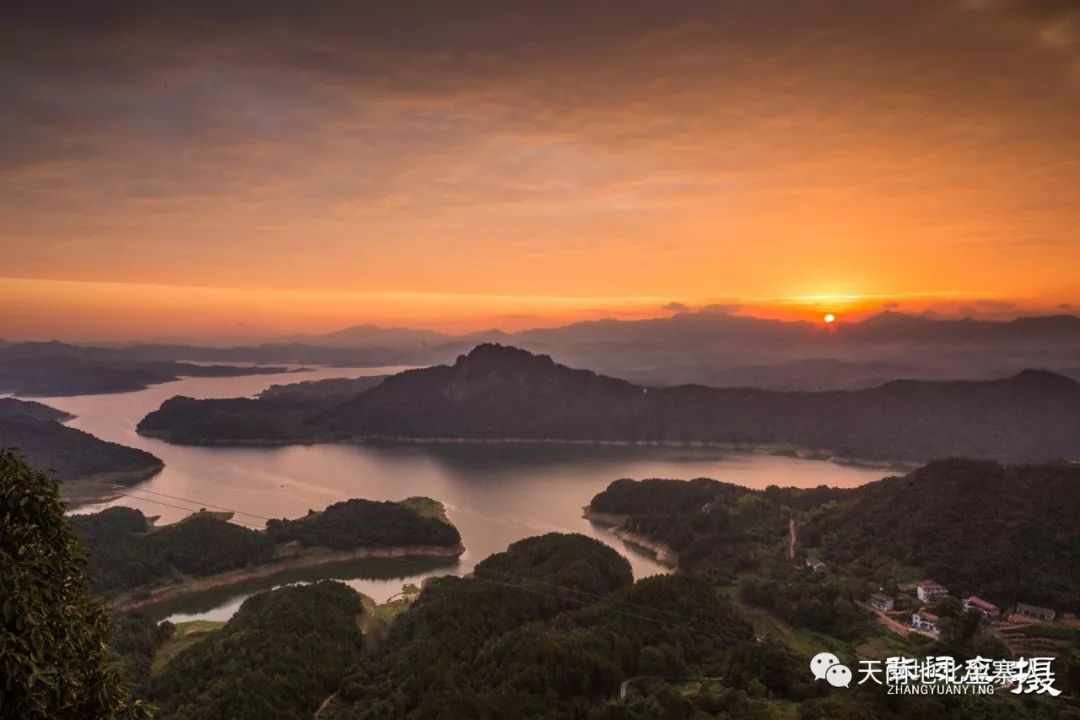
x=495, y=494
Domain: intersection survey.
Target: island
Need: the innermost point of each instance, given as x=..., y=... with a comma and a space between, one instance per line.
x=133, y=562
x=503, y=394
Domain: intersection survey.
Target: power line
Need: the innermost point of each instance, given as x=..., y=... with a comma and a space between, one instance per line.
x=178, y=507
x=685, y=622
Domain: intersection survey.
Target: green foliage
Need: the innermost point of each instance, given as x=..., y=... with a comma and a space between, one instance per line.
x=362, y=523
x=278, y=658
x=427, y=664
x=717, y=528
x=134, y=639
x=53, y=660
x=822, y=602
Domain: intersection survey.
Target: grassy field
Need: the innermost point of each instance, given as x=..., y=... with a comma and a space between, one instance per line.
x=186, y=635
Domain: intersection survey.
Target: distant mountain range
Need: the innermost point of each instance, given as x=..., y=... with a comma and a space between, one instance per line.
x=703, y=347
x=504, y=393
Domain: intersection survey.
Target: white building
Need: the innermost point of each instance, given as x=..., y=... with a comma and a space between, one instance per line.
x=881, y=602
x=929, y=591
x=926, y=622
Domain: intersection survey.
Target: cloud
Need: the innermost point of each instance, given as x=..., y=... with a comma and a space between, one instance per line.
x=510, y=146
x=711, y=308
x=720, y=308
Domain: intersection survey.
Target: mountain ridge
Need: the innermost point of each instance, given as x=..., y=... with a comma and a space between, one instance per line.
x=497, y=392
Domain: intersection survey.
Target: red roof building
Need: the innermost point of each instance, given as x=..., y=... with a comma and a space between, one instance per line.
x=988, y=609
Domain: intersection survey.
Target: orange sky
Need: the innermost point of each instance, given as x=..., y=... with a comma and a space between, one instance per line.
x=173, y=173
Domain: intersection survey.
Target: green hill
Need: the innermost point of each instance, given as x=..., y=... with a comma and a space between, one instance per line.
x=1005, y=532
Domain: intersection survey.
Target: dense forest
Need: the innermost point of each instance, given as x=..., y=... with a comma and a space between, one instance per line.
x=279, y=657
x=498, y=392
x=362, y=523
x=134, y=639
x=550, y=629
x=1008, y=533
x=716, y=528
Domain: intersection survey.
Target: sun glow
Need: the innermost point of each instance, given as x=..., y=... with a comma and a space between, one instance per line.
x=829, y=318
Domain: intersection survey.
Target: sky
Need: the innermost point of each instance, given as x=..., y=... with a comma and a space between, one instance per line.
x=241, y=169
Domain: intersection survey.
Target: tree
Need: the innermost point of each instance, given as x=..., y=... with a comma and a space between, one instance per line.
x=53, y=658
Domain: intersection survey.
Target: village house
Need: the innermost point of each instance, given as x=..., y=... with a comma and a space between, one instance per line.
x=925, y=621
x=1036, y=611
x=881, y=602
x=929, y=591
x=989, y=610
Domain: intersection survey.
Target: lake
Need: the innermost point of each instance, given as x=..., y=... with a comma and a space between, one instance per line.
x=494, y=493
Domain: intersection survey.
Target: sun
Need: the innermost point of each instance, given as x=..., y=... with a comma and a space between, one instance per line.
x=829, y=318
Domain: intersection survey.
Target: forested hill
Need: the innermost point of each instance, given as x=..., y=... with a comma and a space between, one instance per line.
x=550, y=629
x=278, y=658
x=1008, y=533
x=279, y=414
x=34, y=431
x=498, y=392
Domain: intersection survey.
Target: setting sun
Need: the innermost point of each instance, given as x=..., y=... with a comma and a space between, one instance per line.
x=829, y=318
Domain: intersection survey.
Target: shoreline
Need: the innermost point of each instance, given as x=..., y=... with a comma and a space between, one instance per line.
x=771, y=449
x=104, y=486
x=661, y=552
x=314, y=558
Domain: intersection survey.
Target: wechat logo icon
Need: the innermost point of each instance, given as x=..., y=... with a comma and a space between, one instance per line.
x=826, y=666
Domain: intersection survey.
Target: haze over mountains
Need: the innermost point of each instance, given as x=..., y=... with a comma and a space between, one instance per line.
x=696, y=347
x=55, y=368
